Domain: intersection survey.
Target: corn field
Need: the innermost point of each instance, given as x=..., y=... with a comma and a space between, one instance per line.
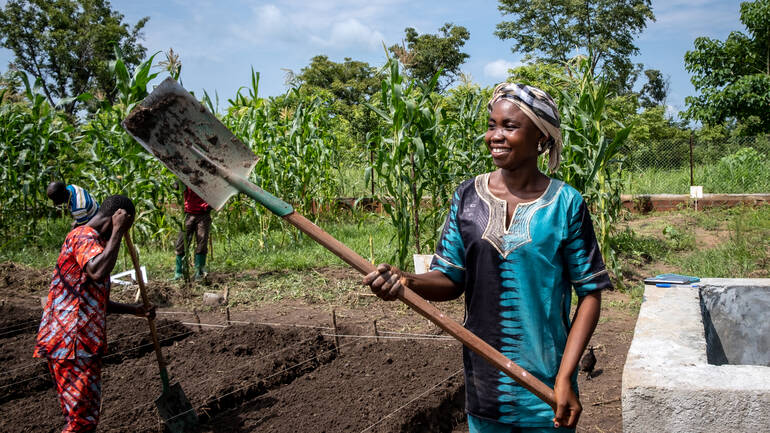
x=424, y=146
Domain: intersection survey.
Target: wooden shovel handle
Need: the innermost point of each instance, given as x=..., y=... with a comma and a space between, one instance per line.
x=419, y=304
x=143, y=292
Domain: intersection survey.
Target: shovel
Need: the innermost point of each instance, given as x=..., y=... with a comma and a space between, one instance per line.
x=176, y=128
x=173, y=406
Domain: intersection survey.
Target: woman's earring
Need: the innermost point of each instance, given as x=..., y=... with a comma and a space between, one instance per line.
x=539, y=146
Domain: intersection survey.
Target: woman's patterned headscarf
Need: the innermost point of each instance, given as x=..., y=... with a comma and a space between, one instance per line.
x=541, y=109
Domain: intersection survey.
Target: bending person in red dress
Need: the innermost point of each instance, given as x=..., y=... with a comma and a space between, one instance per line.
x=72, y=334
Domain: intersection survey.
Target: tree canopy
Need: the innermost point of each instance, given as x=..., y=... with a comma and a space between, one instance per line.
x=733, y=76
x=655, y=90
x=68, y=44
x=351, y=81
x=424, y=55
x=348, y=84
x=552, y=30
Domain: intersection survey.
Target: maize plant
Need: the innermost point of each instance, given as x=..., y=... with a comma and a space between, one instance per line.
x=297, y=152
x=119, y=165
x=591, y=160
x=408, y=155
x=36, y=145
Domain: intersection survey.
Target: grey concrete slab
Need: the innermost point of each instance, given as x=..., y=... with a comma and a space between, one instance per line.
x=668, y=383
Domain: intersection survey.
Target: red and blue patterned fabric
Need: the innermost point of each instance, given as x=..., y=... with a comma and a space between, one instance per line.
x=79, y=385
x=75, y=315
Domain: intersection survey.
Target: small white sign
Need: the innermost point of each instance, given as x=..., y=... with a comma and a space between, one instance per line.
x=422, y=263
x=696, y=191
x=117, y=278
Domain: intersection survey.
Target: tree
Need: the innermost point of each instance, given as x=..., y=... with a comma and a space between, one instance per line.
x=425, y=55
x=349, y=83
x=655, y=90
x=622, y=75
x=68, y=44
x=733, y=77
x=553, y=29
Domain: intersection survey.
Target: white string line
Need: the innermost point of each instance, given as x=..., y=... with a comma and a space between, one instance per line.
x=294, y=325
x=108, y=356
x=244, y=322
x=250, y=323
x=33, y=364
x=389, y=337
x=23, y=323
x=210, y=325
x=411, y=333
x=267, y=377
x=248, y=362
x=19, y=330
x=395, y=336
x=413, y=400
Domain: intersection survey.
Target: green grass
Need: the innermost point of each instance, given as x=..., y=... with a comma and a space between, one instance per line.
x=286, y=265
x=281, y=250
x=352, y=179
x=293, y=251
x=713, y=178
x=744, y=253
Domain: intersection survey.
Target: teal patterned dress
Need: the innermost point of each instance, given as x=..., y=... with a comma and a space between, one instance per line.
x=518, y=285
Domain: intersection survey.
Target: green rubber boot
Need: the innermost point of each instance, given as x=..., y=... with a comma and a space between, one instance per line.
x=179, y=271
x=200, y=266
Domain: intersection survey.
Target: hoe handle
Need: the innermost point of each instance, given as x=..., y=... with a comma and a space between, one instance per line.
x=419, y=304
x=153, y=330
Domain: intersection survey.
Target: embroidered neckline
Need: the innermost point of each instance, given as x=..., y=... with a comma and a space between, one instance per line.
x=505, y=203
x=507, y=239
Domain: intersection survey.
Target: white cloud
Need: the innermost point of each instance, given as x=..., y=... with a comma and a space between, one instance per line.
x=498, y=69
x=351, y=32
x=692, y=17
x=336, y=25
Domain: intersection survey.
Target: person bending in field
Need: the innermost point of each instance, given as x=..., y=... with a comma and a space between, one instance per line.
x=72, y=334
x=516, y=242
x=197, y=221
x=80, y=203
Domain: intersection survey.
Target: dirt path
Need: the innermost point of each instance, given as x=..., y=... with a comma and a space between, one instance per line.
x=276, y=369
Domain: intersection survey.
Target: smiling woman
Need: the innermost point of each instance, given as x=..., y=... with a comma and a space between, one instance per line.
x=516, y=243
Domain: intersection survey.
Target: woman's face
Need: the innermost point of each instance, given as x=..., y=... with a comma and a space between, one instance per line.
x=511, y=136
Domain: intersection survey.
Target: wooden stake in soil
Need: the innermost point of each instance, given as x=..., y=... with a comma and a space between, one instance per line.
x=376, y=334
x=197, y=319
x=336, y=338
x=227, y=315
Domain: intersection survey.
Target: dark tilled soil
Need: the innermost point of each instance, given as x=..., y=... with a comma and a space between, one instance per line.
x=372, y=386
x=274, y=378
x=251, y=378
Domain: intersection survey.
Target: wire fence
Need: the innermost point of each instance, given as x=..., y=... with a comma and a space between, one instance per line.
x=735, y=165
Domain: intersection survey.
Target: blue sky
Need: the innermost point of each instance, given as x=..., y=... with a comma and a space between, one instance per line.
x=219, y=41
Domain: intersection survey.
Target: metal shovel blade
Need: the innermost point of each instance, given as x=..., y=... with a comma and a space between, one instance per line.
x=176, y=411
x=156, y=124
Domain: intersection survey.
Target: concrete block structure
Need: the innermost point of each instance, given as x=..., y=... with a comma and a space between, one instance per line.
x=699, y=360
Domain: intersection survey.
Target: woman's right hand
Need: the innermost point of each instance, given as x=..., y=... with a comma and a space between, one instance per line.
x=385, y=282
